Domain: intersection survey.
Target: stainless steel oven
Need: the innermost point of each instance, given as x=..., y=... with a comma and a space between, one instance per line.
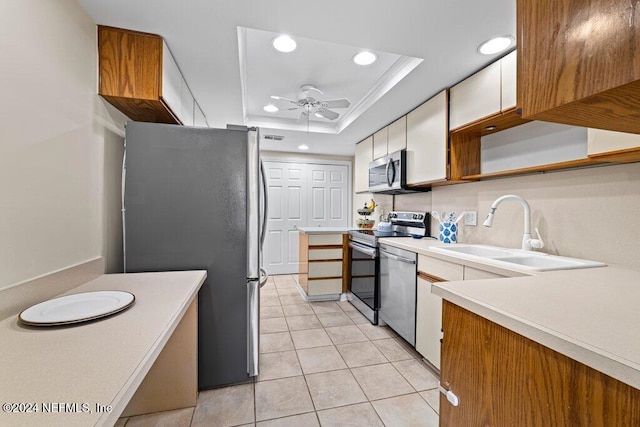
x=365, y=261
x=363, y=283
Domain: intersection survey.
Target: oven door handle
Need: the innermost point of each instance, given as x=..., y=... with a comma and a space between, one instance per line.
x=364, y=249
x=396, y=257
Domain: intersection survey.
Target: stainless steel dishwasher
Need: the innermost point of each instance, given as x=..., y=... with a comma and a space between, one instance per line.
x=398, y=278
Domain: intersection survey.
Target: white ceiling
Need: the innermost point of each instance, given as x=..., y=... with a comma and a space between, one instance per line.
x=203, y=37
x=327, y=66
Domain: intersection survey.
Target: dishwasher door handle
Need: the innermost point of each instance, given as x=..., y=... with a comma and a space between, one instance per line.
x=396, y=257
x=364, y=249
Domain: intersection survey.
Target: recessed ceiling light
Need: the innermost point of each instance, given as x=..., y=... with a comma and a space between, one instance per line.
x=303, y=147
x=284, y=44
x=270, y=108
x=365, y=58
x=495, y=45
x=318, y=115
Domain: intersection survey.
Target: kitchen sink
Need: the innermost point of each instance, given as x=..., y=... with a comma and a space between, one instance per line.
x=505, y=257
x=476, y=250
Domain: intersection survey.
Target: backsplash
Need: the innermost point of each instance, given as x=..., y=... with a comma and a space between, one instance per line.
x=585, y=213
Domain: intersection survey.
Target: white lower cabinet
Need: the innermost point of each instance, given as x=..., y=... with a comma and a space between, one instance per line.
x=429, y=305
x=428, y=323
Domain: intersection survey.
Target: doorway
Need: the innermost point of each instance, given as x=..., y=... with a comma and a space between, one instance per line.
x=302, y=194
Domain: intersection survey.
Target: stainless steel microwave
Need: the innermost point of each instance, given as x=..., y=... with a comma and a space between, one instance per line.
x=388, y=175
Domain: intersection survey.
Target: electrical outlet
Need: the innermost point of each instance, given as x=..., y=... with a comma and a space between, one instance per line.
x=471, y=218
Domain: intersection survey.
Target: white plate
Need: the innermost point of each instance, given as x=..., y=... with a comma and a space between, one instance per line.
x=76, y=308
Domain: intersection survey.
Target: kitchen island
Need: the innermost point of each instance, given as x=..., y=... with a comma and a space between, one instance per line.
x=141, y=360
x=324, y=258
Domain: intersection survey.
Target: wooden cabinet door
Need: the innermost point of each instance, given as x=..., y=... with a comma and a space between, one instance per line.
x=427, y=141
x=364, y=155
x=504, y=379
x=397, y=138
x=380, y=140
x=508, y=81
x=477, y=97
x=428, y=321
x=579, y=62
x=604, y=141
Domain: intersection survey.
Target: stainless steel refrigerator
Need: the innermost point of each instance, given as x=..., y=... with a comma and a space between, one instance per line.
x=194, y=199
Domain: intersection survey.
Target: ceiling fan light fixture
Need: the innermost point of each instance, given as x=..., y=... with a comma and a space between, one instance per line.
x=270, y=108
x=364, y=58
x=303, y=147
x=284, y=44
x=496, y=45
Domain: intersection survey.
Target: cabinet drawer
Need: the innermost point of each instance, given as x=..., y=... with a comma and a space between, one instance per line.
x=324, y=287
x=325, y=239
x=471, y=273
x=443, y=269
x=319, y=254
x=325, y=269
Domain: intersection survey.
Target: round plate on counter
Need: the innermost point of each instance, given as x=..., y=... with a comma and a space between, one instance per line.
x=76, y=308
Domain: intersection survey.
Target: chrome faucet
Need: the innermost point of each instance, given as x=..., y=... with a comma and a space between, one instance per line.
x=528, y=243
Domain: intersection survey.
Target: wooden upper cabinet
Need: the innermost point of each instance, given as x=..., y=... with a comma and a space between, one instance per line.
x=364, y=155
x=140, y=77
x=380, y=140
x=579, y=62
x=476, y=97
x=397, y=135
x=427, y=141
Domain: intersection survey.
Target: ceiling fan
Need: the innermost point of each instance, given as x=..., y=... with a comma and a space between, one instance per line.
x=309, y=104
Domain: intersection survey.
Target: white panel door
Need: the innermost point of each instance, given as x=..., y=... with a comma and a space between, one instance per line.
x=286, y=183
x=329, y=195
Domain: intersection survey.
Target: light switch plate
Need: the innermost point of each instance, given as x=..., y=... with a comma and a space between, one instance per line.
x=471, y=218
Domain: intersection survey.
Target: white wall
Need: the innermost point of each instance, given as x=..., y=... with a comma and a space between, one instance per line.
x=61, y=144
x=585, y=213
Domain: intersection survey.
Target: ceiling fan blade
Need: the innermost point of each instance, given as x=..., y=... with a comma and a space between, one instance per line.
x=328, y=114
x=302, y=116
x=335, y=103
x=280, y=98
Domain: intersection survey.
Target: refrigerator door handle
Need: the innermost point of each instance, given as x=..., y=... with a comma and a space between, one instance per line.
x=253, y=327
x=265, y=207
x=264, y=276
x=253, y=206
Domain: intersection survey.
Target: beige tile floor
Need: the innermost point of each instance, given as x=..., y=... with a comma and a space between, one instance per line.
x=320, y=364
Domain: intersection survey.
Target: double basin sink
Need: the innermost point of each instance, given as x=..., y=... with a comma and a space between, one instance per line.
x=527, y=260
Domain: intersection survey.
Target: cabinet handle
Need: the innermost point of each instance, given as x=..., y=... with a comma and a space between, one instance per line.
x=451, y=397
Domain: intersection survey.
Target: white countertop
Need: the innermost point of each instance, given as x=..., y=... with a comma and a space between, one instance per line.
x=100, y=362
x=326, y=230
x=590, y=315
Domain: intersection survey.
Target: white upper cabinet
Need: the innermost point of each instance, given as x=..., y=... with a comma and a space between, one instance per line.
x=364, y=155
x=380, y=140
x=606, y=141
x=171, y=82
x=508, y=69
x=427, y=141
x=476, y=97
x=397, y=135
x=187, y=105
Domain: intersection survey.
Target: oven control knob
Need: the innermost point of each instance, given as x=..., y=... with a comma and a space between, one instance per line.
x=415, y=216
x=420, y=216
